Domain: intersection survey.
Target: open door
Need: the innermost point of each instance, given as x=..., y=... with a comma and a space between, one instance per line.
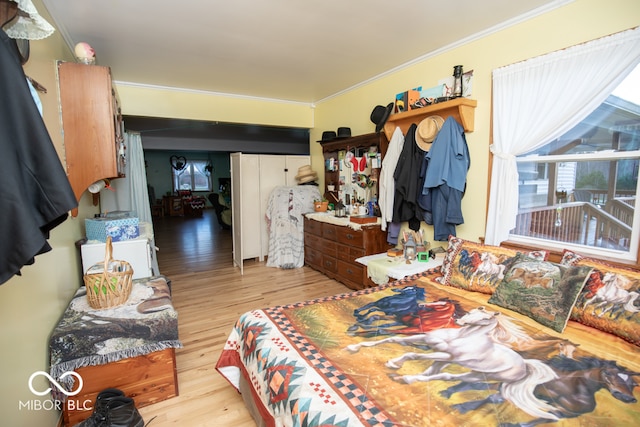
x=236, y=209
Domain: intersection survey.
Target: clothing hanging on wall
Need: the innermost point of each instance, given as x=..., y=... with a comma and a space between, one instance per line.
x=35, y=192
x=444, y=169
x=405, y=206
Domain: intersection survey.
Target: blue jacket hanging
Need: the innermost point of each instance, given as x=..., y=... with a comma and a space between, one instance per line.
x=443, y=177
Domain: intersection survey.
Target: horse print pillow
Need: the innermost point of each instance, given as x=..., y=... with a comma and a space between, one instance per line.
x=610, y=299
x=477, y=267
x=543, y=291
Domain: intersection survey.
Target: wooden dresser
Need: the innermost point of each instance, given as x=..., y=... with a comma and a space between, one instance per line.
x=332, y=249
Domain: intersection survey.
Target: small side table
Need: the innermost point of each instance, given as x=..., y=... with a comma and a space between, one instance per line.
x=382, y=268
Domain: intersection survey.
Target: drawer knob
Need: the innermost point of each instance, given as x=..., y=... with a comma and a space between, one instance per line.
x=350, y=236
x=349, y=271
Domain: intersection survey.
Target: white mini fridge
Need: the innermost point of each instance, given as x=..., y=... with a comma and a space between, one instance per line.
x=136, y=252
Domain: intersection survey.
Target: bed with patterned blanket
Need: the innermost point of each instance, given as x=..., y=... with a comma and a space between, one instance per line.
x=453, y=346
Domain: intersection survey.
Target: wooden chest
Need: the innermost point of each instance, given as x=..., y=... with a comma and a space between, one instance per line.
x=147, y=379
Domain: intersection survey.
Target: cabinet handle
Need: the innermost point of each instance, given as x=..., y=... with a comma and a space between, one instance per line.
x=349, y=271
x=350, y=236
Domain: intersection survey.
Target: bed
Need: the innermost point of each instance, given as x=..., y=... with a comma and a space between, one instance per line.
x=526, y=342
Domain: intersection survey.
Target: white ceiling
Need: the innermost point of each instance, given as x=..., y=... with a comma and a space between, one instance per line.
x=293, y=50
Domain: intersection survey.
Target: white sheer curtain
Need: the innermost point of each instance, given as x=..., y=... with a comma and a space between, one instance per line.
x=131, y=193
x=538, y=100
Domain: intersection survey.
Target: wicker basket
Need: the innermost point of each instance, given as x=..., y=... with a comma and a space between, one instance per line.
x=108, y=284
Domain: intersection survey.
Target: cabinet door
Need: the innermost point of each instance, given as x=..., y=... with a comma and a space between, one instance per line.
x=272, y=175
x=87, y=109
x=292, y=165
x=245, y=193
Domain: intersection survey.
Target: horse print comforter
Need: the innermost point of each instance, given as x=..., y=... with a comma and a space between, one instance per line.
x=417, y=353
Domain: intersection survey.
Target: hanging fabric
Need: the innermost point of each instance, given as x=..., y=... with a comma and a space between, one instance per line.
x=538, y=100
x=35, y=192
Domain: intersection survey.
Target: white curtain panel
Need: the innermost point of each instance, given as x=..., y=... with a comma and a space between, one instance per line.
x=538, y=100
x=131, y=193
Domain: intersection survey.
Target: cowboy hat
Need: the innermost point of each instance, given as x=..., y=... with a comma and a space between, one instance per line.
x=306, y=174
x=328, y=135
x=343, y=132
x=427, y=130
x=380, y=114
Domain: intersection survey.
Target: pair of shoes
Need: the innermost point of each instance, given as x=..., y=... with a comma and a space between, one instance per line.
x=113, y=409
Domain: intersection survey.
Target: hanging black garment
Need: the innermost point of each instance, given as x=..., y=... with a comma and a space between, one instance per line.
x=35, y=193
x=406, y=175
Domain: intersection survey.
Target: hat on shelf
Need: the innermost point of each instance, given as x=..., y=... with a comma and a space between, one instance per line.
x=343, y=132
x=380, y=114
x=427, y=130
x=328, y=135
x=306, y=174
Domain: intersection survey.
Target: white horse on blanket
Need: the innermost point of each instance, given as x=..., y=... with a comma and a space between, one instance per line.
x=480, y=344
x=489, y=269
x=615, y=292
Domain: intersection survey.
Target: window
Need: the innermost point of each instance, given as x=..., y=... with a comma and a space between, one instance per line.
x=193, y=177
x=565, y=140
x=579, y=190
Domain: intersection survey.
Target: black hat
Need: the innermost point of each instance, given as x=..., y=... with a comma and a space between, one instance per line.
x=380, y=114
x=344, y=133
x=328, y=135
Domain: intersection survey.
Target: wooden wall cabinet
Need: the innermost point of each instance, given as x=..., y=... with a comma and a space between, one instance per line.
x=92, y=125
x=330, y=149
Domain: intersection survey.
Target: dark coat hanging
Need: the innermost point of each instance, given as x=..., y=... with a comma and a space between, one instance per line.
x=35, y=193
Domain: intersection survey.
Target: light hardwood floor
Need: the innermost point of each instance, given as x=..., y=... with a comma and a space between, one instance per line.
x=210, y=294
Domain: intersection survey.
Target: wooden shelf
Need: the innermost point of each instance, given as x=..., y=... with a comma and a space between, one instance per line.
x=461, y=109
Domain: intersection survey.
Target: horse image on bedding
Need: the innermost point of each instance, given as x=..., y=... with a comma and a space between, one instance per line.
x=541, y=376
x=404, y=312
x=485, y=268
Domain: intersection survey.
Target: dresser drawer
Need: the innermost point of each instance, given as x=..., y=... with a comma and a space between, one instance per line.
x=329, y=248
x=313, y=241
x=351, y=237
x=313, y=227
x=351, y=272
x=330, y=231
x=312, y=257
x=329, y=263
x=349, y=253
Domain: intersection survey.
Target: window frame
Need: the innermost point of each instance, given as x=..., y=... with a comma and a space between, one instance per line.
x=608, y=155
x=192, y=165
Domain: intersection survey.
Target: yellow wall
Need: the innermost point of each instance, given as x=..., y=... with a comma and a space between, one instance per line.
x=30, y=305
x=580, y=21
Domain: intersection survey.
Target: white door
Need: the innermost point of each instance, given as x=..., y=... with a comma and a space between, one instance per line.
x=236, y=209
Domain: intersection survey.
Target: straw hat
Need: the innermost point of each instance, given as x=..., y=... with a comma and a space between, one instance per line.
x=306, y=174
x=427, y=130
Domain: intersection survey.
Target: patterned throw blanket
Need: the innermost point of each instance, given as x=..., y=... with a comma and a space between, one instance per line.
x=85, y=336
x=417, y=353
